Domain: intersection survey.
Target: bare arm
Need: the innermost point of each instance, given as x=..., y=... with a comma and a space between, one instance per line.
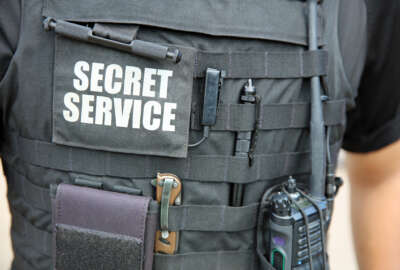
x=375, y=203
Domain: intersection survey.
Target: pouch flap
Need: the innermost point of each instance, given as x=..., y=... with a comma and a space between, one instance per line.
x=101, y=210
x=95, y=227
x=281, y=20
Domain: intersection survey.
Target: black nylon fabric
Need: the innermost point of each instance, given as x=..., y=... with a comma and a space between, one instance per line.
x=224, y=169
x=261, y=20
x=9, y=39
x=282, y=146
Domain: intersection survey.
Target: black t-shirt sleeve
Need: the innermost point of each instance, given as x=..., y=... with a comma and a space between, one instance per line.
x=9, y=32
x=375, y=122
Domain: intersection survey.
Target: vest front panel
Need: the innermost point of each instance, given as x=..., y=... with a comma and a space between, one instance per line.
x=78, y=109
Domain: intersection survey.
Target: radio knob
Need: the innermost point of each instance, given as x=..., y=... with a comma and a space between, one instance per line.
x=281, y=204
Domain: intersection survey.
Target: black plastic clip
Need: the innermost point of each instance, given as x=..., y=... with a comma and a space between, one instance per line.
x=213, y=83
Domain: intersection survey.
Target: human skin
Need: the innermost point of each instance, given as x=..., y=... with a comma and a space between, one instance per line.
x=375, y=207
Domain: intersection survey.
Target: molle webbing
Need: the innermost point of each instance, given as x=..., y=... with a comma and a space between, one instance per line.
x=181, y=218
x=274, y=65
x=204, y=168
x=259, y=39
x=221, y=260
x=225, y=260
x=241, y=117
x=37, y=196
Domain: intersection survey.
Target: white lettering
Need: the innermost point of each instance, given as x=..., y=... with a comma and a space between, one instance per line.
x=103, y=111
x=87, y=109
x=150, y=109
x=164, y=74
x=121, y=82
x=133, y=76
x=168, y=116
x=111, y=85
x=137, y=113
x=122, y=113
x=71, y=115
x=96, y=77
x=82, y=83
x=149, y=82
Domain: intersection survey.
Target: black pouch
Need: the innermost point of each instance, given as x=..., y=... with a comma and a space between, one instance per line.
x=97, y=229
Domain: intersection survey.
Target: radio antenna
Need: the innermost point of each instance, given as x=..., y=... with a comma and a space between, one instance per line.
x=317, y=129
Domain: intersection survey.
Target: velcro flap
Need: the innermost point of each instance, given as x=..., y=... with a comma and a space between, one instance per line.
x=82, y=249
x=95, y=225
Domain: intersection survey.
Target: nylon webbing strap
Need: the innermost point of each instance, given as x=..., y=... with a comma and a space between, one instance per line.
x=274, y=65
x=40, y=239
x=207, y=168
x=302, y=64
x=181, y=218
x=223, y=260
x=213, y=218
x=37, y=196
x=241, y=117
x=278, y=65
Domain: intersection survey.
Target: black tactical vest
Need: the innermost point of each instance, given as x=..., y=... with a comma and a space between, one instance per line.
x=78, y=106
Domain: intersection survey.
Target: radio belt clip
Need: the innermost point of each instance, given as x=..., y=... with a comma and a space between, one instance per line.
x=168, y=192
x=212, y=85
